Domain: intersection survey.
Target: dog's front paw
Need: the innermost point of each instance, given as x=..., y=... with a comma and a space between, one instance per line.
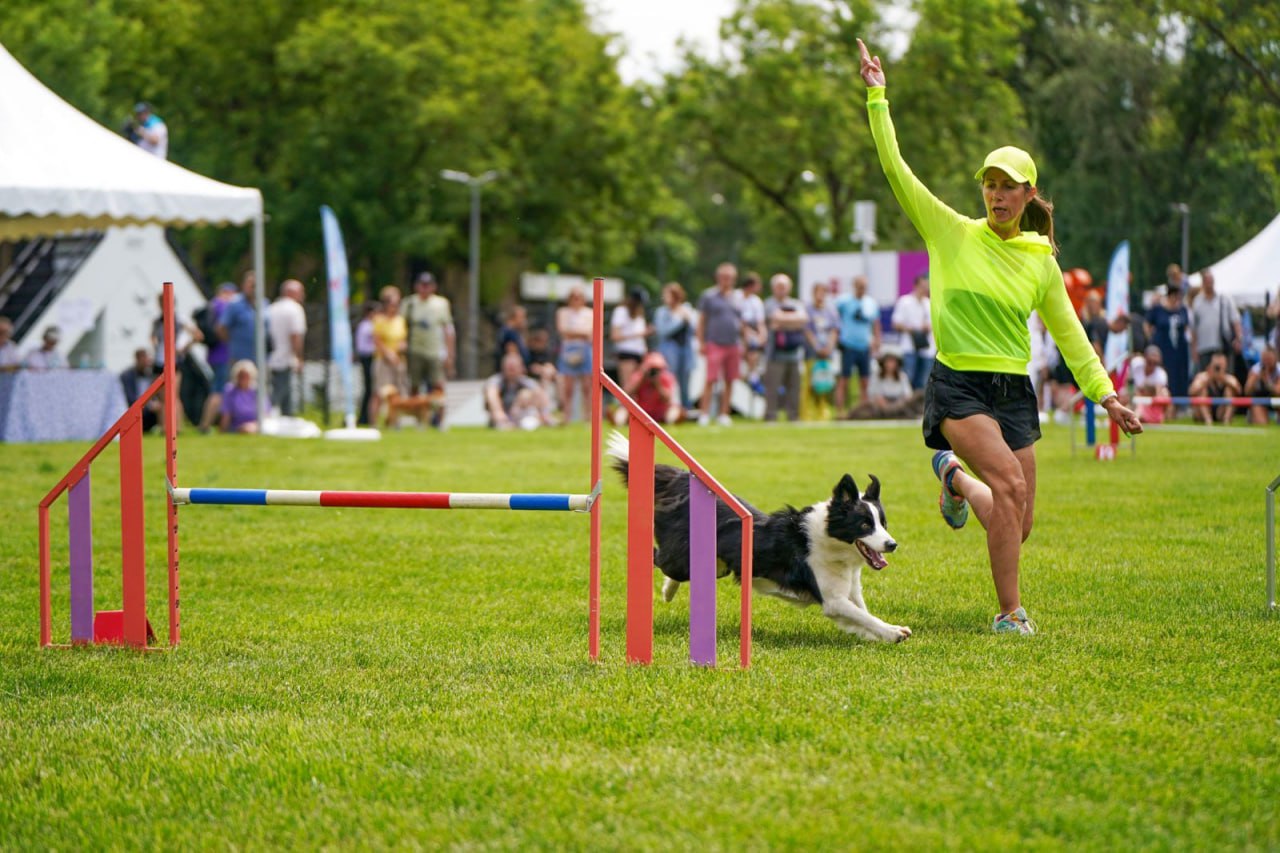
x=894, y=633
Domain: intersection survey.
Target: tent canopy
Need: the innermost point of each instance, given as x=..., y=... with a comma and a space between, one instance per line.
x=1251, y=272
x=61, y=171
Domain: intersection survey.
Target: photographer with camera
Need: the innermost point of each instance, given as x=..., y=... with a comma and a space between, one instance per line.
x=148, y=131
x=653, y=387
x=912, y=319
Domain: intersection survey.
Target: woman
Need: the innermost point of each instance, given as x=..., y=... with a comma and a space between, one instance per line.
x=365, y=352
x=817, y=381
x=390, y=340
x=889, y=393
x=240, y=399
x=573, y=325
x=628, y=330
x=675, y=322
x=986, y=276
x=1167, y=323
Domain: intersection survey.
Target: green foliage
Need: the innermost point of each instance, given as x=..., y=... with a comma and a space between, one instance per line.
x=754, y=155
x=371, y=679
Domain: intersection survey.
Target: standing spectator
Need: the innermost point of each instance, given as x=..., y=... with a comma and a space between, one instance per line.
x=1167, y=323
x=192, y=376
x=1038, y=366
x=238, y=326
x=511, y=336
x=1263, y=381
x=542, y=362
x=818, y=379
x=1215, y=324
x=653, y=387
x=786, y=318
x=1214, y=381
x=1094, y=320
x=889, y=394
x=513, y=399
x=912, y=320
x=10, y=358
x=719, y=340
x=136, y=380
x=859, y=340
x=46, y=356
x=149, y=131
x=390, y=336
x=674, y=322
x=574, y=322
x=287, y=325
x=240, y=399
x=216, y=351
x=1175, y=278
x=1149, y=380
x=751, y=311
x=628, y=330
x=432, y=341
x=365, y=351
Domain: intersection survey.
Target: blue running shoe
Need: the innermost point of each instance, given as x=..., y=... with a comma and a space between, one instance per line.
x=955, y=509
x=1014, y=623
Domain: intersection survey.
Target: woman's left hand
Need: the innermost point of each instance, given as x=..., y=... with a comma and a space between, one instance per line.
x=1125, y=418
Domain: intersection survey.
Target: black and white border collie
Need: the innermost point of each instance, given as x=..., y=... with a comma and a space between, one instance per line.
x=804, y=556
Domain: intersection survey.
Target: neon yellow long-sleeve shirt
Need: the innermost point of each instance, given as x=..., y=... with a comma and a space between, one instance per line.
x=983, y=288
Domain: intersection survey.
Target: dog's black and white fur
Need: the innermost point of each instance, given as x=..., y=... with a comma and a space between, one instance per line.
x=804, y=556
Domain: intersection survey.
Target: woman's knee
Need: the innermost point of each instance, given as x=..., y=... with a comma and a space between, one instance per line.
x=1009, y=486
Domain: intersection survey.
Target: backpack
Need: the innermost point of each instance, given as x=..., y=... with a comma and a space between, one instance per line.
x=203, y=318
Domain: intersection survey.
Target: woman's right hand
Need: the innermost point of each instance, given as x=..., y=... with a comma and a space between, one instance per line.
x=872, y=73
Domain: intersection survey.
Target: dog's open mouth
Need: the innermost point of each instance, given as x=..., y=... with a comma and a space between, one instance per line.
x=873, y=557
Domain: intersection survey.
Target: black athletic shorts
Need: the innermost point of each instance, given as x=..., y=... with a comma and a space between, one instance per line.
x=1007, y=398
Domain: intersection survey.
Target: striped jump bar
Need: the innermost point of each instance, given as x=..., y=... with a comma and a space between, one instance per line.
x=382, y=500
x=1273, y=402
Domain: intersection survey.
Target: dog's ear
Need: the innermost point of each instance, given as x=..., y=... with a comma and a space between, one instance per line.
x=873, y=491
x=846, y=490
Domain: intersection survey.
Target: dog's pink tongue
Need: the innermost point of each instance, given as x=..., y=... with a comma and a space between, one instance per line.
x=878, y=561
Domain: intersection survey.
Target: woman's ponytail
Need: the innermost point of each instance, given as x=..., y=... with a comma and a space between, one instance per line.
x=1038, y=216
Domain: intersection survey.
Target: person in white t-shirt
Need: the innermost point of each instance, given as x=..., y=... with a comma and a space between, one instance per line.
x=628, y=329
x=287, y=325
x=912, y=321
x=1149, y=380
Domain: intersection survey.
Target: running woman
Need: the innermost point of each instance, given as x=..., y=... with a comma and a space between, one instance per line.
x=987, y=275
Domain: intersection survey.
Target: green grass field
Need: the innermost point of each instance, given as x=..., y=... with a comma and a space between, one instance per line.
x=397, y=678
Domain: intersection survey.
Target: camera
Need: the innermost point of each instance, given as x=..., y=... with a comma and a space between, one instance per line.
x=858, y=315
x=653, y=372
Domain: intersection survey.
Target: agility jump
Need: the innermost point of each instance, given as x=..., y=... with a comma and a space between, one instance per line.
x=129, y=625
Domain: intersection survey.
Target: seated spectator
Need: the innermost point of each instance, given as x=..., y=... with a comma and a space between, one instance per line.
x=1150, y=380
x=10, y=359
x=46, y=356
x=889, y=393
x=653, y=387
x=240, y=399
x=1263, y=381
x=1214, y=381
x=513, y=399
x=136, y=380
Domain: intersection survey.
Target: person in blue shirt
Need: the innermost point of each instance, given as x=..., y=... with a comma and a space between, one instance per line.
x=859, y=340
x=238, y=323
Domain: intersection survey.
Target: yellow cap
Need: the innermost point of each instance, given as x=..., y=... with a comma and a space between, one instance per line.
x=1014, y=162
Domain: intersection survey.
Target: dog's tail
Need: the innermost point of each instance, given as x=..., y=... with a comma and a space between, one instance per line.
x=620, y=449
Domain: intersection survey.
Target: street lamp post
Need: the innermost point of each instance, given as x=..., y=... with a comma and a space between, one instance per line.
x=1185, y=209
x=473, y=290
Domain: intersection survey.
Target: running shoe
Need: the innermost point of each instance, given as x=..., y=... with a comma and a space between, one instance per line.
x=955, y=509
x=1014, y=623
x=724, y=420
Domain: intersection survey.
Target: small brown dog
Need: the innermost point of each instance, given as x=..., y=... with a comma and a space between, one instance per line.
x=425, y=408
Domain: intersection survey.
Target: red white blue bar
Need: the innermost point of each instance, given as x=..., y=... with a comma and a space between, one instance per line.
x=382, y=500
x=1273, y=402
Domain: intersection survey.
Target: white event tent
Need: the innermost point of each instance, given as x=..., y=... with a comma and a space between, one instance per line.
x=61, y=172
x=1252, y=272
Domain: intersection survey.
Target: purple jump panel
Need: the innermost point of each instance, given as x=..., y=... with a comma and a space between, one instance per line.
x=80, y=518
x=702, y=573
